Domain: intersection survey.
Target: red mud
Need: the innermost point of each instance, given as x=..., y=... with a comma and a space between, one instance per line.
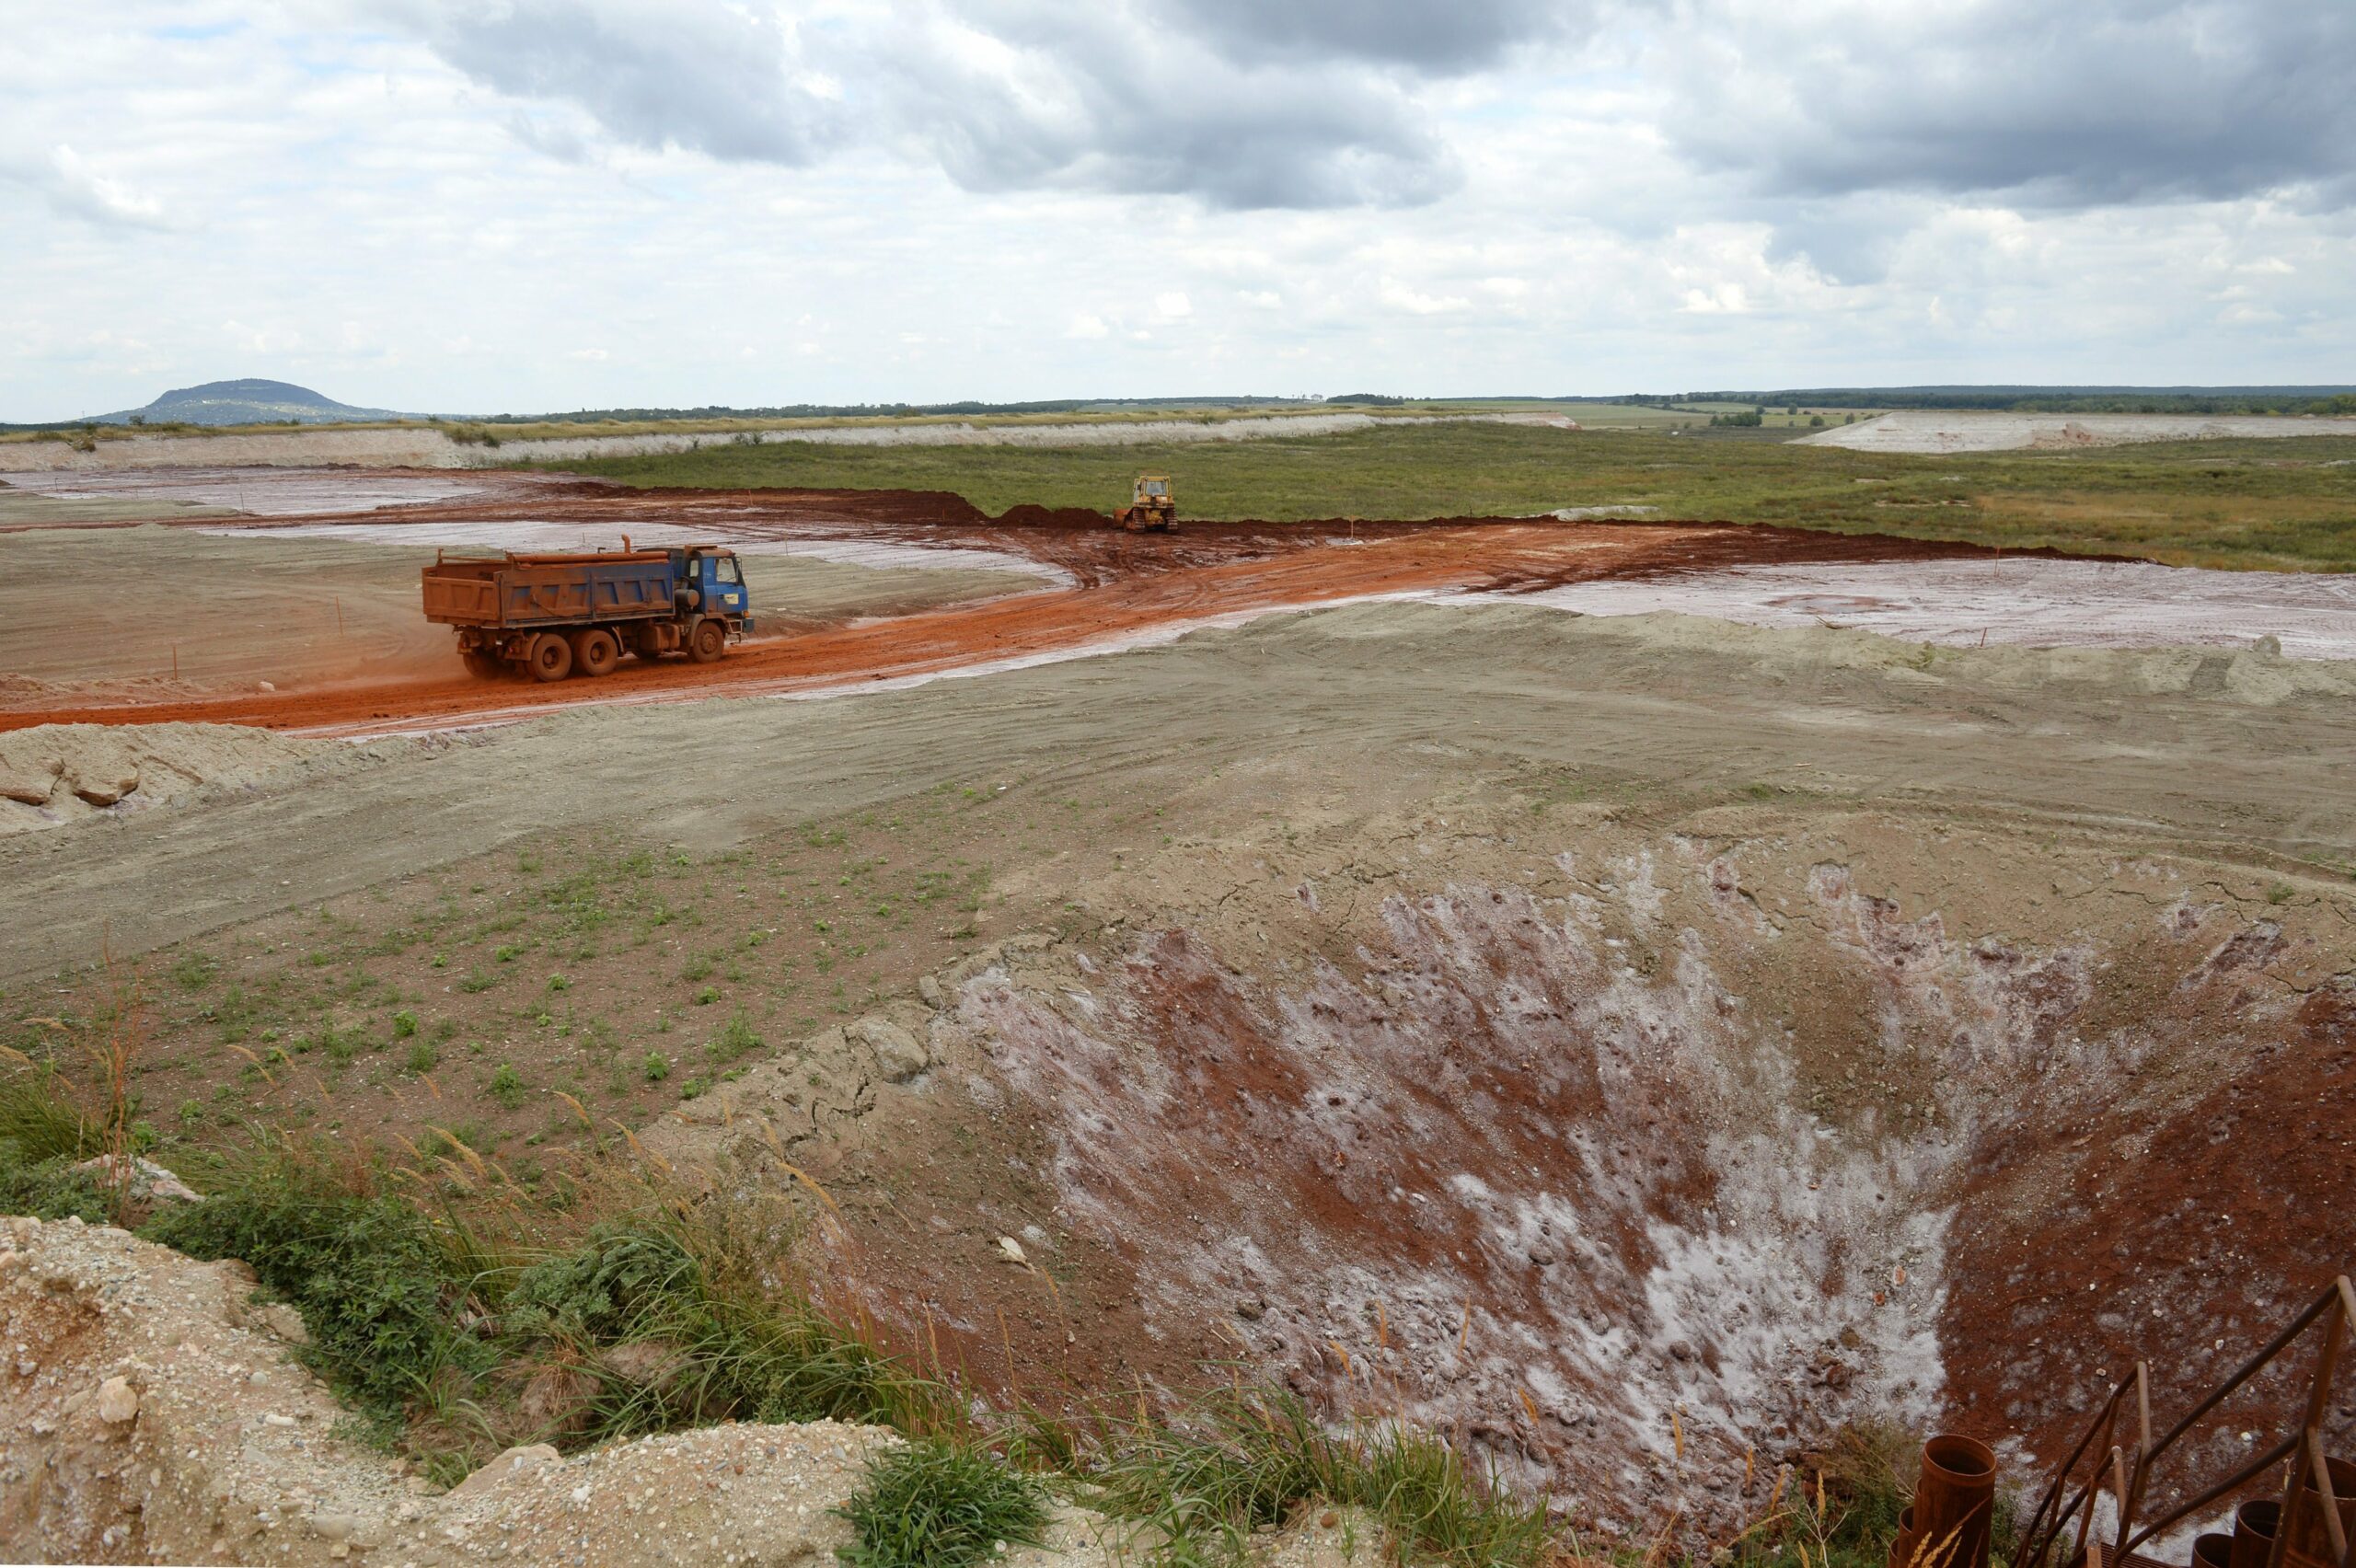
x=1129, y=585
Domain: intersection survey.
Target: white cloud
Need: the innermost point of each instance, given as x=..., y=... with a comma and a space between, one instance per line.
x=73, y=189
x=414, y=204
x=1400, y=297
x=1727, y=299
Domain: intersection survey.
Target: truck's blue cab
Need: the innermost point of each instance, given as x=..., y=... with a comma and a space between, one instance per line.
x=722, y=583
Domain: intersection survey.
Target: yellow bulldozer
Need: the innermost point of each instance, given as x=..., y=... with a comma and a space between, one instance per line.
x=1151, y=505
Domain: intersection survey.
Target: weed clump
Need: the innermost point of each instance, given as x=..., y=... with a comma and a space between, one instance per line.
x=41, y=1138
x=378, y=1284
x=934, y=1504
x=506, y=1086
x=1247, y=1458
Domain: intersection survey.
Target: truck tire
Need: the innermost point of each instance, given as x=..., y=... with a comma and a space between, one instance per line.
x=550, y=658
x=708, y=641
x=594, y=652
x=483, y=666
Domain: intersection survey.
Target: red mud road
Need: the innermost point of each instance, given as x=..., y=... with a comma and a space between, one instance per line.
x=1129, y=585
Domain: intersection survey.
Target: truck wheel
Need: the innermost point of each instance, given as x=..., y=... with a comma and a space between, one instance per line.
x=483, y=666
x=550, y=658
x=708, y=641
x=594, y=652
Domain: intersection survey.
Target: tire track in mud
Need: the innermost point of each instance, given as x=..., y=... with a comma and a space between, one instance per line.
x=1130, y=588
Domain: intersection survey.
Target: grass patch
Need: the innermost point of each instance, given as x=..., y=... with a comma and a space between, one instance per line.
x=1248, y=1458
x=379, y=1284
x=2268, y=504
x=935, y=1504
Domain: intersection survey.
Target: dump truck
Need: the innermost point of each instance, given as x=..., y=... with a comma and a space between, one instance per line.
x=552, y=616
x=1150, y=505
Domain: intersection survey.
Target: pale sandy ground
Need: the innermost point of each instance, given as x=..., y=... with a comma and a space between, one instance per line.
x=2024, y=602
x=100, y=494
x=1972, y=430
x=432, y=449
x=2243, y=746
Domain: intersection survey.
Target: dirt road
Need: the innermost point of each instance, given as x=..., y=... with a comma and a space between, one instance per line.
x=1127, y=587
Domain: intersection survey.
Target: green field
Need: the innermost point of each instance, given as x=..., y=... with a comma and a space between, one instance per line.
x=2281, y=504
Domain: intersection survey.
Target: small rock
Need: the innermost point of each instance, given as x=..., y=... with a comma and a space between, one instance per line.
x=264, y=685
x=506, y=1467
x=147, y=1178
x=899, y=1056
x=1011, y=1251
x=928, y=991
x=335, y=1526
x=281, y=1320
x=27, y=779
x=118, y=1401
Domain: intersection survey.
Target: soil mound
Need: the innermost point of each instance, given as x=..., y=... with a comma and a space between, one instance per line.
x=1030, y=516
x=169, y=1420
x=54, y=774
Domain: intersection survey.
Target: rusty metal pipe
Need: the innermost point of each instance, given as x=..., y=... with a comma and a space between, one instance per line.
x=2255, y=1526
x=1957, y=1497
x=2308, y=1534
x=1901, y=1550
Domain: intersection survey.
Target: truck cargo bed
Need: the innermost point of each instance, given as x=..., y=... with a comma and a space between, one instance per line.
x=550, y=590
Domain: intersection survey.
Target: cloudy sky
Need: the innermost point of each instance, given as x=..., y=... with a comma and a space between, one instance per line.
x=484, y=205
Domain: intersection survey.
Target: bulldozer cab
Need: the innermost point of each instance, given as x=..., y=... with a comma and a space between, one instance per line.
x=1150, y=505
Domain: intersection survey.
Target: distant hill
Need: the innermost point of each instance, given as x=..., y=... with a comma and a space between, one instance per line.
x=245, y=402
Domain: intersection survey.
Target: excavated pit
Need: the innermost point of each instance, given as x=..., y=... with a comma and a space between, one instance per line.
x=1646, y=1156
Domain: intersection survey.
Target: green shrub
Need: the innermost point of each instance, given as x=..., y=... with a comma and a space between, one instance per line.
x=1248, y=1456
x=422, y=1056
x=39, y=1123
x=657, y=1067
x=736, y=1348
x=404, y=1024
x=49, y=1188
x=506, y=1086
x=734, y=1042
x=378, y=1284
x=937, y=1504
x=194, y=973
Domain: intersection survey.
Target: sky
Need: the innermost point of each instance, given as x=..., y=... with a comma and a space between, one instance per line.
x=530, y=206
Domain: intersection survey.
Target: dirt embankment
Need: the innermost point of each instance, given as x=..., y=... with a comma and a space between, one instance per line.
x=152, y=1411
x=433, y=448
x=58, y=774
x=1964, y=431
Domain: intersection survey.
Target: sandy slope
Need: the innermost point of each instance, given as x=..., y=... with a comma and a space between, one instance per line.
x=2206, y=743
x=1969, y=430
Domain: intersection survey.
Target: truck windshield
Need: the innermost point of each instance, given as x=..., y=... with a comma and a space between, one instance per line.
x=725, y=568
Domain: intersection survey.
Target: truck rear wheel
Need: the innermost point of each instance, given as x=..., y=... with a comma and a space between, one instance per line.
x=550, y=657
x=708, y=641
x=483, y=666
x=594, y=652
